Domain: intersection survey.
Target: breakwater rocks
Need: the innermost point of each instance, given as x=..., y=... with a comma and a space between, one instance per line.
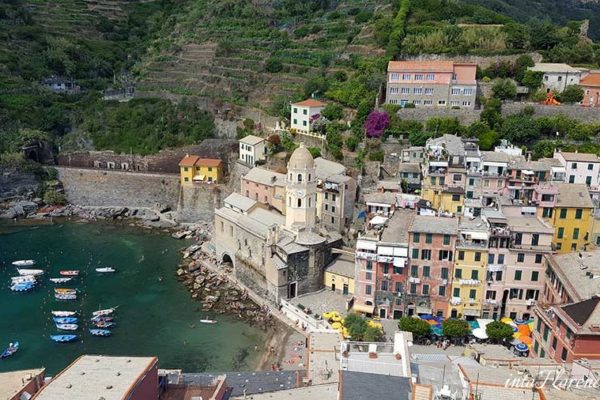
x=216, y=293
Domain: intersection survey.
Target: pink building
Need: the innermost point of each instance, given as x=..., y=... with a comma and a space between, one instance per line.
x=591, y=89
x=266, y=187
x=431, y=83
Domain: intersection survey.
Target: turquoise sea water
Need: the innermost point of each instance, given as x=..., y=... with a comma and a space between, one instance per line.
x=155, y=317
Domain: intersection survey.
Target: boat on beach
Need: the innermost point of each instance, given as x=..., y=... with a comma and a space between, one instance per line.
x=60, y=280
x=208, y=321
x=100, y=332
x=65, y=320
x=67, y=327
x=30, y=272
x=64, y=313
x=105, y=270
x=63, y=338
x=106, y=311
x=65, y=296
x=22, y=287
x=10, y=350
x=69, y=272
x=23, y=263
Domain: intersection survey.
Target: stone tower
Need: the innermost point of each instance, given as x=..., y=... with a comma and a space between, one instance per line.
x=301, y=191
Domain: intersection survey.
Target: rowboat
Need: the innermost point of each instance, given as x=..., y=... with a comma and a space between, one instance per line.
x=67, y=327
x=102, y=318
x=60, y=280
x=10, y=350
x=69, y=272
x=106, y=311
x=208, y=321
x=100, y=332
x=63, y=338
x=23, y=279
x=33, y=272
x=67, y=296
x=105, y=269
x=23, y=263
x=65, y=320
x=105, y=324
x=22, y=287
x=64, y=313
x=65, y=291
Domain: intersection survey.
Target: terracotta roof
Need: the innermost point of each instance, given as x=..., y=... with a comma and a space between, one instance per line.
x=583, y=157
x=188, y=161
x=592, y=79
x=310, y=103
x=437, y=66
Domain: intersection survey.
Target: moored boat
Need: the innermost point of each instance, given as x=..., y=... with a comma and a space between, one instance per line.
x=65, y=296
x=22, y=287
x=64, y=313
x=105, y=270
x=63, y=338
x=60, y=280
x=10, y=350
x=65, y=320
x=23, y=279
x=208, y=321
x=69, y=272
x=67, y=327
x=33, y=272
x=100, y=332
x=23, y=263
x=65, y=291
x=106, y=311
x=105, y=325
x=102, y=318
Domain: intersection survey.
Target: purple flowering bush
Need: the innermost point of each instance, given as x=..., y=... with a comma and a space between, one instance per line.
x=376, y=123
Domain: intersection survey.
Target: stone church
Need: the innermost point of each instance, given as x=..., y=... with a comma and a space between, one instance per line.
x=277, y=256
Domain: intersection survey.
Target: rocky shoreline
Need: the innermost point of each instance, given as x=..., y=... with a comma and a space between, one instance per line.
x=216, y=293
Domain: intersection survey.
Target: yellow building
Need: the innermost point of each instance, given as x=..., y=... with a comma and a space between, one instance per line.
x=470, y=268
x=195, y=169
x=339, y=275
x=452, y=200
x=432, y=187
x=572, y=218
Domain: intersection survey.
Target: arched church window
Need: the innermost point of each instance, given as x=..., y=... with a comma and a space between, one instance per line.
x=299, y=177
x=289, y=201
x=309, y=177
x=309, y=202
x=299, y=202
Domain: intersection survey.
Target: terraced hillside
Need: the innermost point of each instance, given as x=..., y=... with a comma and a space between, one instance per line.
x=250, y=52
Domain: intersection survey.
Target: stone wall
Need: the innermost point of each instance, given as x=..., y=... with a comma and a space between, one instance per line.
x=15, y=183
x=198, y=203
x=482, y=61
x=465, y=116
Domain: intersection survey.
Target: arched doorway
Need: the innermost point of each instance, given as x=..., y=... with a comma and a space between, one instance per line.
x=226, y=259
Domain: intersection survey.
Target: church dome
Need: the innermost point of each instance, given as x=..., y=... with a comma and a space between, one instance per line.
x=301, y=159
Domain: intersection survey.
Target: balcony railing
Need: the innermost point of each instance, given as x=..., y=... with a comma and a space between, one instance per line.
x=366, y=256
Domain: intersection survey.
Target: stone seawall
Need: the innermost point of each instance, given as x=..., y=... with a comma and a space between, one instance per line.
x=90, y=187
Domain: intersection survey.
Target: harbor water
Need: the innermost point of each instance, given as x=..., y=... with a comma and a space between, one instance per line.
x=155, y=315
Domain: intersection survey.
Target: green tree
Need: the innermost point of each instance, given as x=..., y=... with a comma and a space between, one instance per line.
x=418, y=138
x=372, y=334
x=273, y=65
x=498, y=331
x=54, y=198
x=572, y=94
x=543, y=148
x=455, y=328
x=520, y=129
x=417, y=326
x=444, y=125
x=542, y=34
x=532, y=79
x=492, y=113
x=356, y=325
x=521, y=64
x=504, y=89
x=315, y=152
x=333, y=112
x=517, y=36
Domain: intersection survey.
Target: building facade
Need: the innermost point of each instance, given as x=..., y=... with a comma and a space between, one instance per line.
x=304, y=114
x=557, y=77
x=591, y=89
x=253, y=149
x=265, y=186
x=194, y=169
x=431, y=84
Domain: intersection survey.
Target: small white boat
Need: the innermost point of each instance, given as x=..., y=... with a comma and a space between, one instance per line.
x=105, y=270
x=23, y=279
x=33, y=272
x=60, y=280
x=64, y=313
x=67, y=327
x=106, y=311
x=23, y=263
x=208, y=321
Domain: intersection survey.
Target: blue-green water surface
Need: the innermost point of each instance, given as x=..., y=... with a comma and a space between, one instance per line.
x=156, y=315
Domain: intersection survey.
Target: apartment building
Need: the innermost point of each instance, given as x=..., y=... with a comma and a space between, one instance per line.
x=568, y=315
x=580, y=168
x=431, y=84
x=253, y=149
x=557, y=76
x=304, y=113
x=432, y=242
x=336, y=193
x=265, y=186
x=591, y=89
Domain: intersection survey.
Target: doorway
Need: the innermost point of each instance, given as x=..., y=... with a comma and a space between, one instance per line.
x=382, y=313
x=333, y=287
x=397, y=314
x=345, y=289
x=292, y=290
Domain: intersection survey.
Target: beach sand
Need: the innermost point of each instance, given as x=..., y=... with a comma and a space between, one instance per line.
x=285, y=347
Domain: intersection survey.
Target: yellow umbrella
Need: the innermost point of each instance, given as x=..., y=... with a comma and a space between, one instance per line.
x=336, y=325
x=506, y=320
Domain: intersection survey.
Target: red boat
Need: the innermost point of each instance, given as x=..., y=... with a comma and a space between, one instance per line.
x=72, y=272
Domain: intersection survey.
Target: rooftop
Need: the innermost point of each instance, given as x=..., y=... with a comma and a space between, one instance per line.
x=188, y=161
x=310, y=103
x=238, y=201
x=388, y=185
x=363, y=386
x=251, y=383
x=573, y=195
x=506, y=393
x=322, y=361
x=396, y=230
x=265, y=177
x=554, y=67
x=380, y=197
x=586, y=314
x=418, y=66
x=321, y=392
x=13, y=382
x=591, y=79
x=326, y=168
x=111, y=378
x=495, y=156
x=452, y=143
x=582, y=157
x=525, y=223
x=343, y=265
x=252, y=140
x=409, y=167
x=574, y=272
x=430, y=224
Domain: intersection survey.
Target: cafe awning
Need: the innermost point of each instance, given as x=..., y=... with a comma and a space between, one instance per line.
x=363, y=308
x=198, y=178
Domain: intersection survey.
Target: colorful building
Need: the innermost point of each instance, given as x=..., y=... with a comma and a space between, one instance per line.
x=580, y=168
x=304, y=114
x=339, y=275
x=194, y=169
x=571, y=218
x=265, y=186
x=253, y=150
x=568, y=315
x=591, y=89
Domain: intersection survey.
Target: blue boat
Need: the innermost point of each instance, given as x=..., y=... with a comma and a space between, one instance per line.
x=63, y=338
x=10, y=350
x=22, y=287
x=100, y=332
x=65, y=320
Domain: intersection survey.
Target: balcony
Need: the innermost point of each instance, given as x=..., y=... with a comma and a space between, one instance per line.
x=490, y=302
x=412, y=279
x=455, y=301
x=469, y=282
x=366, y=256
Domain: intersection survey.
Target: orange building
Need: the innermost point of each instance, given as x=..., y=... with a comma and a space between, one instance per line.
x=591, y=89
